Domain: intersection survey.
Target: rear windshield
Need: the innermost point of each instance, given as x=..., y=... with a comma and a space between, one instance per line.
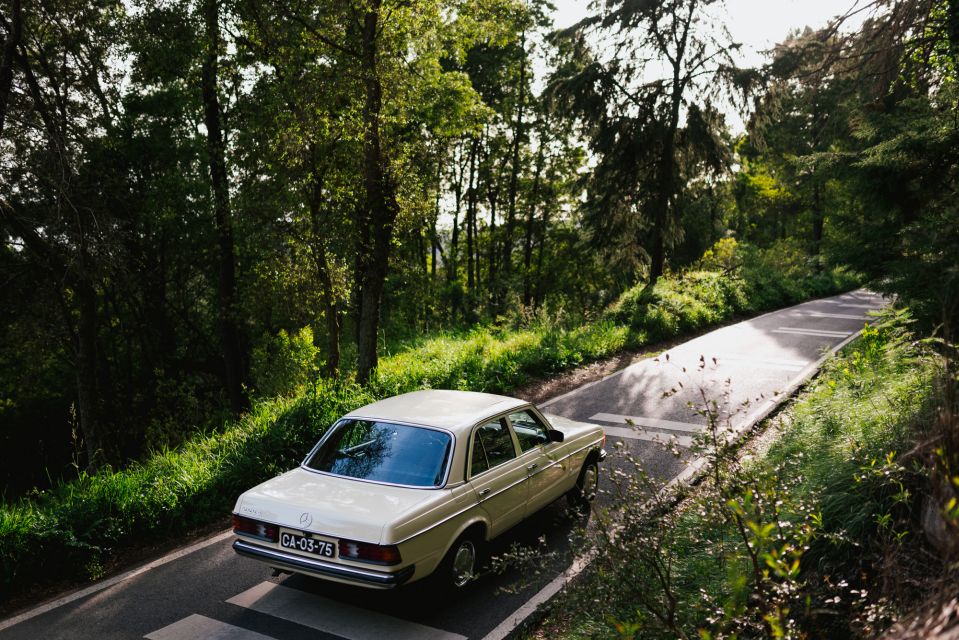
x=384, y=452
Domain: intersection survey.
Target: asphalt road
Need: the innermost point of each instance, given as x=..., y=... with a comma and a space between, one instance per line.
x=210, y=592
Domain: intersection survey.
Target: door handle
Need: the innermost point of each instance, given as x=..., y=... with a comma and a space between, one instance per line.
x=532, y=467
x=484, y=492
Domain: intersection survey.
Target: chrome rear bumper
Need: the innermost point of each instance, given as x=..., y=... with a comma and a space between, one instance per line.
x=321, y=569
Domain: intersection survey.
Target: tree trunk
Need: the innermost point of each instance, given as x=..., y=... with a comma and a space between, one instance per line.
x=471, y=218
x=818, y=219
x=477, y=255
x=226, y=289
x=15, y=28
x=381, y=208
x=510, y=221
x=666, y=187
x=661, y=205
x=434, y=237
x=88, y=397
x=321, y=262
x=492, y=278
x=952, y=22
x=458, y=204
x=530, y=219
x=538, y=296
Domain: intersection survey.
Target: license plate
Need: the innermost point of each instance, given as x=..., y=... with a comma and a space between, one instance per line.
x=316, y=546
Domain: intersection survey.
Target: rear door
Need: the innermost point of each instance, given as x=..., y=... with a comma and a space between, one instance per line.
x=498, y=475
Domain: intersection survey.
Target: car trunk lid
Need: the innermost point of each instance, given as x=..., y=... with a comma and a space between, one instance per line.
x=330, y=505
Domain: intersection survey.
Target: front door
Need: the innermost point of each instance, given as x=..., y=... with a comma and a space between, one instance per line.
x=541, y=459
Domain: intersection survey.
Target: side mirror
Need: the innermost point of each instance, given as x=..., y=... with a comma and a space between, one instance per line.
x=556, y=436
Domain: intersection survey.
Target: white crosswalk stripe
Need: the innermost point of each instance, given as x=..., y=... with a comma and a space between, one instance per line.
x=834, y=316
x=640, y=434
x=821, y=333
x=651, y=423
x=197, y=626
x=786, y=364
x=329, y=616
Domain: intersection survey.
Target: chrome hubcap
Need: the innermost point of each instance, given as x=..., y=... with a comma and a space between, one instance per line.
x=590, y=482
x=463, y=563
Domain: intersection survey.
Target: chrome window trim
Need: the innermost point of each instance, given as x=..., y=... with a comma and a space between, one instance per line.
x=517, y=453
x=542, y=422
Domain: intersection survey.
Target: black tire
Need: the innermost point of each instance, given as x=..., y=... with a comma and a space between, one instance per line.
x=461, y=563
x=587, y=486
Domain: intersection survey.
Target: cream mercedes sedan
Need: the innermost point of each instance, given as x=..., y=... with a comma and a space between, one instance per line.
x=414, y=485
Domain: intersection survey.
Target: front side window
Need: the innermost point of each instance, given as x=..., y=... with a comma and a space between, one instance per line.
x=384, y=452
x=492, y=445
x=530, y=431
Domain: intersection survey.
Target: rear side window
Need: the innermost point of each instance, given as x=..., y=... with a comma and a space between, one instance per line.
x=530, y=431
x=492, y=446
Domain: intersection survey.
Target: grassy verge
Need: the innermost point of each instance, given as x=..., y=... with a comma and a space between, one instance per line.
x=69, y=531
x=816, y=530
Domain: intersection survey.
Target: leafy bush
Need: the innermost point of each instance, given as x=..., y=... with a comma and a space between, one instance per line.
x=283, y=363
x=733, y=279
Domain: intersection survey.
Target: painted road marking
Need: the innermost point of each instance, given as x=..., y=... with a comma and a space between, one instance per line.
x=641, y=434
x=836, y=316
x=652, y=423
x=768, y=363
x=197, y=626
x=821, y=333
x=330, y=616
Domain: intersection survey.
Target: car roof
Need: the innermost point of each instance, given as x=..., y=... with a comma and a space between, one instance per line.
x=453, y=410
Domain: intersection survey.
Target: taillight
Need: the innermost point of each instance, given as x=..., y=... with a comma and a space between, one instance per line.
x=366, y=552
x=256, y=529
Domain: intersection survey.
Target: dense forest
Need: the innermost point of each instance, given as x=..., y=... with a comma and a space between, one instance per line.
x=192, y=191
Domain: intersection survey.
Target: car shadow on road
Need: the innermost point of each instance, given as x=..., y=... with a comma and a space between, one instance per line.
x=519, y=563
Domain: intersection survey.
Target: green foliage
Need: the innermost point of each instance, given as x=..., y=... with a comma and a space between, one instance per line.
x=752, y=280
x=284, y=363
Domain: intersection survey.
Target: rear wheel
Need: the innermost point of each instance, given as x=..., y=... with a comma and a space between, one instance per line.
x=587, y=485
x=461, y=562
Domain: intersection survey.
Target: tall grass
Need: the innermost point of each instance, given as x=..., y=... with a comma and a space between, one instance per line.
x=69, y=531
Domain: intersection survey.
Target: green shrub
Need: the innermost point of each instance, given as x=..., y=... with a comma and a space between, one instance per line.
x=283, y=363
